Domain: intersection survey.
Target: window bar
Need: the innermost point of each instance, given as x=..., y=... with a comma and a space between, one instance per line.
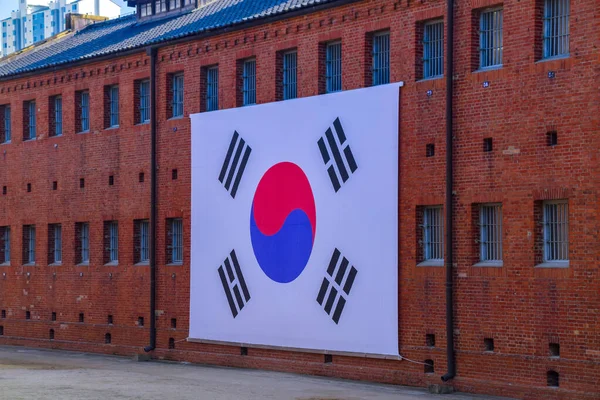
x=57, y=243
x=114, y=106
x=58, y=116
x=32, y=111
x=7, y=124
x=31, y=245
x=6, y=244
x=114, y=241
x=212, y=85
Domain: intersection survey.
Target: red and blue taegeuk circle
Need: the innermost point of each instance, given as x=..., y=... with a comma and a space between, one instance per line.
x=283, y=222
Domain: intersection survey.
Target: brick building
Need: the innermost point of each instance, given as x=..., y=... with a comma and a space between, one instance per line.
x=76, y=122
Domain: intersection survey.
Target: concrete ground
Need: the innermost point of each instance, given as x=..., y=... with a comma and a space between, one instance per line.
x=45, y=374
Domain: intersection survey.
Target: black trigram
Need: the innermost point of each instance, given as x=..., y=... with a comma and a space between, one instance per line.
x=336, y=285
x=234, y=164
x=234, y=284
x=339, y=160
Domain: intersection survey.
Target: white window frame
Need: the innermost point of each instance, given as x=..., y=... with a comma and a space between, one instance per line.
x=174, y=4
x=249, y=82
x=433, y=235
x=380, y=69
x=145, y=9
x=491, y=47
x=433, y=49
x=212, y=88
x=490, y=234
x=555, y=220
x=556, y=29
x=333, y=67
x=290, y=75
x=160, y=6
x=113, y=103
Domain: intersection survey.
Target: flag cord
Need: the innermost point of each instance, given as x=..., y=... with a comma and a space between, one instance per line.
x=413, y=361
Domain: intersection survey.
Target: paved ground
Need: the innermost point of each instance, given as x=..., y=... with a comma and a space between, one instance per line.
x=43, y=374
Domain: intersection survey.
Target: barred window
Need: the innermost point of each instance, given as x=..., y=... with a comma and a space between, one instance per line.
x=490, y=232
x=141, y=241
x=32, y=120
x=212, y=88
x=144, y=101
x=556, y=28
x=249, y=78
x=113, y=241
x=333, y=67
x=433, y=49
x=113, y=95
x=490, y=38
x=55, y=234
x=83, y=242
x=29, y=244
x=177, y=101
x=7, y=124
x=85, y=111
x=58, y=119
x=556, y=230
x=290, y=73
x=5, y=245
x=433, y=234
x=381, y=58
x=175, y=240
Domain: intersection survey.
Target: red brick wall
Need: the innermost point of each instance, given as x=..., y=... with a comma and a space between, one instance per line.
x=521, y=307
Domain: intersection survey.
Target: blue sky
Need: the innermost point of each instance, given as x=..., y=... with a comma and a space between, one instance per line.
x=7, y=5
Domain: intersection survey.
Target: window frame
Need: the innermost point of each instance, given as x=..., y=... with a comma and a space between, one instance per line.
x=30, y=245
x=212, y=88
x=381, y=56
x=433, y=235
x=554, y=23
x=144, y=106
x=58, y=116
x=84, y=115
x=177, y=98
x=333, y=72
x=490, y=234
x=548, y=232
x=113, y=106
x=57, y=245
x=113, y=242
x=32, y=129
x=6, y=245
x=7, y=124
x=142, y=243
x=289, y=79
x=176, y=241
x=429, y=56
x=491, y=40
x=249, y=82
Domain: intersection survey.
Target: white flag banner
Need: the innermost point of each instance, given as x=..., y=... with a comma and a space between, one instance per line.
x=294, y=230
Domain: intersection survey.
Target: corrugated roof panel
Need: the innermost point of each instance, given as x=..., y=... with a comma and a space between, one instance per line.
x=125, y=33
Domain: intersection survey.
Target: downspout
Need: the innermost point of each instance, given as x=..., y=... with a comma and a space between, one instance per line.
x=450, y=356
x=152, y=52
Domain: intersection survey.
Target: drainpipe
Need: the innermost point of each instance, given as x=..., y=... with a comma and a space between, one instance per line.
x=153, y=192
x=451, y=373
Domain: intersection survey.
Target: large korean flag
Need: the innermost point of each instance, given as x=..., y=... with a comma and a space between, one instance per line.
x=294, y=238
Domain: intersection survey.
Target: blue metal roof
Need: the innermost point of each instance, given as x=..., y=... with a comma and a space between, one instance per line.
x=126, y=33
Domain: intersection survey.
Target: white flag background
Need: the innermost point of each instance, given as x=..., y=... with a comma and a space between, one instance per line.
x=360, y=219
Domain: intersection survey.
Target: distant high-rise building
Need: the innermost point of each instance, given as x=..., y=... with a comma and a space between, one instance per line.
x=31, y=23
